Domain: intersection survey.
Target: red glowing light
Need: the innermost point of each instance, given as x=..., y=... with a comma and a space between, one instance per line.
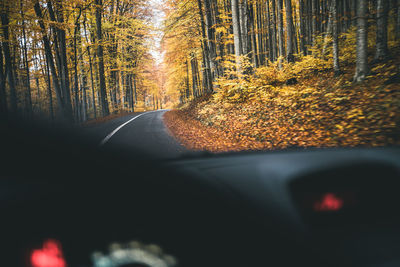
x=329, y=202
x=49, y=256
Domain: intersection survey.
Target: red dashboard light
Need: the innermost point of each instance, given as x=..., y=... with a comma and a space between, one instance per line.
x=49, y=256
x=329, y=202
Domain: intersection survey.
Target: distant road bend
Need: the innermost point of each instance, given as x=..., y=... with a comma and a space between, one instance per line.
x=143, y=131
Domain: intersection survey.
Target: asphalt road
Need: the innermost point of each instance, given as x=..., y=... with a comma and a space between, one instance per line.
x=143, y=131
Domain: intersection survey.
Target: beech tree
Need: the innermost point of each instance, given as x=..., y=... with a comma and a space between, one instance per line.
x=382, y=51
x=7, y=57
x=236, y=32
x=289, y=31
x=336, y=66
x=100, y=55
x=362, y=68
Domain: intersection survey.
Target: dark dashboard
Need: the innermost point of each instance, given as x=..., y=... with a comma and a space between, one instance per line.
x=321, y=207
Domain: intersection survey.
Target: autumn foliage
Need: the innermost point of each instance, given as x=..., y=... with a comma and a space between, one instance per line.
x=261, y=112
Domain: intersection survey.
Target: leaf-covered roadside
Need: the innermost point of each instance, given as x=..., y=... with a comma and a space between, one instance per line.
x=319, y=111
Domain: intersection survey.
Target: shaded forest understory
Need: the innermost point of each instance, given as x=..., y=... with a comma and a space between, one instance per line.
x=321, y=110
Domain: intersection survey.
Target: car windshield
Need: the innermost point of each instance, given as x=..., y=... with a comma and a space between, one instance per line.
x=171, y=77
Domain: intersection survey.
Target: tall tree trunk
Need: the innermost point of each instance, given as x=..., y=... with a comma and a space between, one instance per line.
x=38, y=97
x=348, y=14
x=328, y=28
x=302, y=38
x=220, y=43
x=243, y=26
x=261, y=54
x=206, y=51
x=28, y=95
x=295, y=32
x=236, y=33
x=398, y=21
x=49, y=93
x=194, y=75
x=75, y=58
x=280, y=30
x=91, y=70
x=289, y=32
x=273, y=40
x=130, y=88
x=83, y=79
x=134, y=89
x=382, y=51
x=253, y=37
x=187, y=80
x=353, y=7
x=92, y=84
x=362, y=68
x=64, y=72
x=314, y=20
x=336, y=66
x=100, y=55
x=8, y=62
x=3, y=95
x=113, y=52
x=211, y=38
x=66, y=113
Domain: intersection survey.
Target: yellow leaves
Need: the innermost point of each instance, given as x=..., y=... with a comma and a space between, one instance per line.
x=357, y=112
x=329, y=95
x=249, y=114
x=340, y=127
x=222, y=30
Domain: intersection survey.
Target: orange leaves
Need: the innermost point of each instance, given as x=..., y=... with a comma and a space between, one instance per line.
x=320, y=112
x=259, y=112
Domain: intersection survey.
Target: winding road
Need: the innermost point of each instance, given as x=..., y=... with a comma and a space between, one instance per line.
x=143, y=131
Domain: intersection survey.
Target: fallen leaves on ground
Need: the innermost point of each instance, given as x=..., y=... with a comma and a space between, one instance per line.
x=319, y=111
x=106, y=118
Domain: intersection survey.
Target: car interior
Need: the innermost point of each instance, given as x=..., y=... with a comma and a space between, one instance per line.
x=74, y=204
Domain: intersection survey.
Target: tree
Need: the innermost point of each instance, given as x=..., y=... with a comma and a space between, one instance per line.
x=382, y=51
x=28, y=97
x=101, y=51
x=100, y=55
x=336, y=66
x=7, y=57
x=65, y=112
x=211, y=39
x=314, y=20
x=362, y=68
x=302, y=21
x=206, y=51
x=61, y=55
x=243, y=26
x=280, y=28
x=273, y=33
x=397, y=27
x=289, y=32
x=236, y=33
x=3, y=95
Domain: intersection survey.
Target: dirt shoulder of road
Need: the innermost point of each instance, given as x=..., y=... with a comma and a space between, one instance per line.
x=101, y=120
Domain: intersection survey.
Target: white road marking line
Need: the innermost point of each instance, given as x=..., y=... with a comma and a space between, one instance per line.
x=105, y=140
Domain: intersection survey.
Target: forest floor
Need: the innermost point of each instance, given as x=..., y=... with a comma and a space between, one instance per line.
x=106, y=118
x=99, y=120
x=319, y=111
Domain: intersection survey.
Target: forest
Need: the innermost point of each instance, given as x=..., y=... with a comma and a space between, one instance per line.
x=239, y=74
x=258, y=33
x=76, y=60
x=273, y=74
